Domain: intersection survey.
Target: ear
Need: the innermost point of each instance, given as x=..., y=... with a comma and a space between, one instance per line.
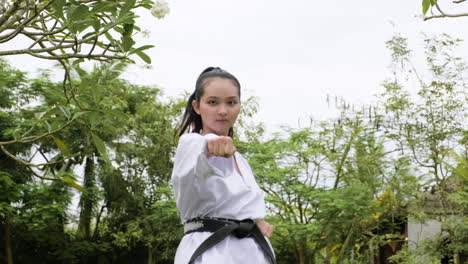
x=196, y=106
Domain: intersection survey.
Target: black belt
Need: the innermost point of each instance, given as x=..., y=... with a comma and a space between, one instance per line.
x=222, y=228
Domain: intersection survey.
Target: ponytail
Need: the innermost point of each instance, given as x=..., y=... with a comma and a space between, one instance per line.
x=190, y=118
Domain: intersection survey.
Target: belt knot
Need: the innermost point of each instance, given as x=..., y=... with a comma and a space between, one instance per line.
x=245, y=228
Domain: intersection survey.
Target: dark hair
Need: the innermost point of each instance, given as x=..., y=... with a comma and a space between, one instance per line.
x=191, y=119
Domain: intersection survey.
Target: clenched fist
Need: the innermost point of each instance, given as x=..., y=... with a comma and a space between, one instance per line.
x=221, y=146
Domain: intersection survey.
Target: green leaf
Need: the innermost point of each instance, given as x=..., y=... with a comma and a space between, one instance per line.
x=96, y=93
x=110, y=38
x=425, y=6
x=77, y=62
x=101, y=147
x=72, y=183
x=96, y=25
x=128, y=29
x=80, y=25
x=77, y=13
x=49, y=128
x=88, y=34
x=143, y=56
x=119, y=29
x=127, y=43
x=58, y=6
x=95, y=119
x=78, y=114
x=65, y=112
x=104, y=6
x=62, y=146
x=129, y=4
x=142, y=48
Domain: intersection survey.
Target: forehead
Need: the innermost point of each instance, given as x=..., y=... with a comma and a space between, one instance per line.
x=220, y=87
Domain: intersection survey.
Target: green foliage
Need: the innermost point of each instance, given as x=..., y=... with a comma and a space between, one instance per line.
x=426, y=4
x=341, y=189
x=123, y=141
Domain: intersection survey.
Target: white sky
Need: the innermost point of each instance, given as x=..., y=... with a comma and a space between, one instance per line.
x=290, y=54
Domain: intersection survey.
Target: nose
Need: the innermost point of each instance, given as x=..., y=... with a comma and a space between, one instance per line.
x=222, y=110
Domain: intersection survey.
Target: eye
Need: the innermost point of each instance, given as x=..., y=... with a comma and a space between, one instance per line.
x=211, y=102
x=232, y=102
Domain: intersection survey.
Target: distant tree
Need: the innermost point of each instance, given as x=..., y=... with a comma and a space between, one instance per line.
x=429, y=129
x=124, y=144
x=321, y=182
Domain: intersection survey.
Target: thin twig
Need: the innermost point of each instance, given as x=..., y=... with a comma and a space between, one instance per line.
x=42, y=177
x=68, y=77
x=94, y=46
x=64, y=84
x=53, y=32
x=37, y=41
x=438, y=8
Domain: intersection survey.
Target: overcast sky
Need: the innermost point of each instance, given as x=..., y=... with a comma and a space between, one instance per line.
x=290, y=54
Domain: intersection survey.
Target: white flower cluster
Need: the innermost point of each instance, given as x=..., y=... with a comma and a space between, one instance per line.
x=160, y=9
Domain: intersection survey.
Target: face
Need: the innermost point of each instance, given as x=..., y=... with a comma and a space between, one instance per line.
x=219, y=106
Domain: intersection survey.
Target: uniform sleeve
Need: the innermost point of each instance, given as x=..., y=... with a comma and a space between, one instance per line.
x=191, y=159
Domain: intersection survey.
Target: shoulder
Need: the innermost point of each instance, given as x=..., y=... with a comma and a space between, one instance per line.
x=194, y=139
x=190, y=137
x=190, y=142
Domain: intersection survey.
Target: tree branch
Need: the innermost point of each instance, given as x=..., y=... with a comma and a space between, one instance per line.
x=27, y=51
x=25, y=162
x=99, y=57
x=34, y=138
x=68, y=77
x=4, y=18
x=445, y=15
x=22, y=25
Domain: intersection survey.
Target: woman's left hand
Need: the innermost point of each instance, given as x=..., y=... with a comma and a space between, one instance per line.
x=265, y=227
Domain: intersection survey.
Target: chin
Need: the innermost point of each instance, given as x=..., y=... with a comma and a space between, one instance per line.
x=222, y=132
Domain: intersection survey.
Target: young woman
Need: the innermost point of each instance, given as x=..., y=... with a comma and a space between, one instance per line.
x=219, y=201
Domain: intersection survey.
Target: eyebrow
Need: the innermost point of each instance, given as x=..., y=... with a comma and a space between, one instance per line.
x=230, y=97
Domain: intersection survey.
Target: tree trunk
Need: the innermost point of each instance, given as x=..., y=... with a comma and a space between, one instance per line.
x=98, y=221
x=345, y=245
x=87, y=200
x=456, y=258
x=150, y=254
x=300, y=256
x=8, y=250
x=371, y=253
